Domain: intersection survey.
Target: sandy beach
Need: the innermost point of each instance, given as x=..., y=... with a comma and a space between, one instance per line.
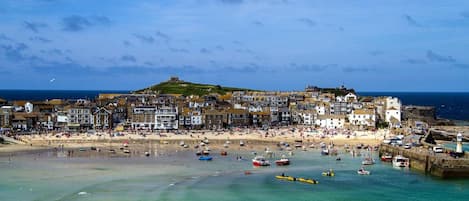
x=170, y=141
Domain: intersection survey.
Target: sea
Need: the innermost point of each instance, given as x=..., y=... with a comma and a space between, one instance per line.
x=180, y=176
x=449, y=105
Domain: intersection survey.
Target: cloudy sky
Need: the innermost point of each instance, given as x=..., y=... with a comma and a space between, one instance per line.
x=369, y=45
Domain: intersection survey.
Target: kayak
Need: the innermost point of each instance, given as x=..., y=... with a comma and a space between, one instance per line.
x=328, y=174
x=290, y=178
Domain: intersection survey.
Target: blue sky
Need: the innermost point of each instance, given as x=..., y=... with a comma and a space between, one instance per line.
x=275, y=45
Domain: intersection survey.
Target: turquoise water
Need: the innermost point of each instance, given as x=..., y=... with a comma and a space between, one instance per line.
x=182, y=177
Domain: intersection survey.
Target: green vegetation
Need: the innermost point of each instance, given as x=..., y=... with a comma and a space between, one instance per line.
x=188, y=88
x=337, y=91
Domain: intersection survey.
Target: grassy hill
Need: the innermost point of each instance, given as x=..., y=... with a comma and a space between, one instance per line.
x=176, y=86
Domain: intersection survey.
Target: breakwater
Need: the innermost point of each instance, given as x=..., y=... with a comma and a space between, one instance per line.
x=440, y=165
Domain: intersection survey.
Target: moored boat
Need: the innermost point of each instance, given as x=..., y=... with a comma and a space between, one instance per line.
x=260, y=161
x=400, y=161
x=325, y=152
x=223, y=153
x=386, y=158
x=205, y=158
x=198, y=153
x=362, y=171
x=368, y=161
x=329, y=173
x=283, y=161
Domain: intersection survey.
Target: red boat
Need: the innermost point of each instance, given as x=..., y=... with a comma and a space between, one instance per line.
x=282, y=162
x=386, y=158
x=260, y=161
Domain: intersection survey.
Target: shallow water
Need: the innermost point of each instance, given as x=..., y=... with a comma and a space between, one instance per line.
x=182, y=177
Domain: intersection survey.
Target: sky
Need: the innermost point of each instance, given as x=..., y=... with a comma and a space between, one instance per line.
x=368, y=45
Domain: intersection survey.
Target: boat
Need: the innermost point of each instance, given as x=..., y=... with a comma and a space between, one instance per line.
x=386, y=158
x=198, y=153
x=329, y=173
x=126, y=151
x=283, y=161
x=338, y=159
x=325, y=152
x=400, y=161
x=205, y=158
x=241, y=143
x=362, y=171
x=309, y=181
x=260, y=161
x=186, y=146
x=112, y=151
x=368, y=161
x=225, y=145
x=290, y=178
x=206, y=152
x=223, y=153
x=181, y=143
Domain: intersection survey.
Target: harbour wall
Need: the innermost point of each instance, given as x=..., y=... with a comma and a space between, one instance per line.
x=440, y=165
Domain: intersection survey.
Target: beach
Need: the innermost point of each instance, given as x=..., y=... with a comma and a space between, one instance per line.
x=254, y=139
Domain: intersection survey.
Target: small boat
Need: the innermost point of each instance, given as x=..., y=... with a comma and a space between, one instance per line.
x=198, y=153
x=325, y=152
x=241, y=143
x=82, y=149
x=260, y=161
x=147, y=154
x=338, y=159
x=126, y=151
x=288, y=178
x=400, y=161
x=223, y=153
x=362, y=171
x=386, y=158
x=309, y=181
x=112, y=151
x=312, y=146
x=206, y=152
x=93, y=148
x=186, y=146
x=368, y=161
x=329, y=173
x=283, y=161
x=225, y=145
x=205, y=158
x=182, y=143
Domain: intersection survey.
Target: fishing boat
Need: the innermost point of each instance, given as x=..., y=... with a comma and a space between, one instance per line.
x=185, y=146
x=386, y=157
x=400, y=161
x=283, y=161
x=206, y=152
x=147, y=154
x=223, y=153
x=126, y=151
x=329, y=173
x=325, y=152
x=241, y=143
x=362, y=171
x=368, y=161
x=260, y=161
x=205, y=158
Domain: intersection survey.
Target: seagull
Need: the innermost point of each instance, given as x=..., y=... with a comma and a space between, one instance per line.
x=52, y=80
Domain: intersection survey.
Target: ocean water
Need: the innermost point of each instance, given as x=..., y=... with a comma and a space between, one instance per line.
x=181, y=176
x=52, y=94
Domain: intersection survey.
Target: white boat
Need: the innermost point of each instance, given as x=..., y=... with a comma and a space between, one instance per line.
x=362, y=171
x=241, y=143
x=260, y=161
x=368, y=161
x=400, y=161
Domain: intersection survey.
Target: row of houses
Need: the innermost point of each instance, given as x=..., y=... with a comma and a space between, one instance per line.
x=311, y=107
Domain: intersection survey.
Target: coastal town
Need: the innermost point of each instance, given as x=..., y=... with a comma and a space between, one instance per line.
x=334, y=108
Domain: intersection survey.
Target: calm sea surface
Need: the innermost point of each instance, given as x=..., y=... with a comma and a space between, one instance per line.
x=181, y=176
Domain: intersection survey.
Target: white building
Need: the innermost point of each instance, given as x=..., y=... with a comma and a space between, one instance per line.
x=196, y=118
x=166, y=118
x=362, y=118
x=80, y=117
x=393, y=112
x=351, y=97
x=331, y=121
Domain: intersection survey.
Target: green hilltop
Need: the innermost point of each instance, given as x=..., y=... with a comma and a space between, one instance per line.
x=176, y=86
